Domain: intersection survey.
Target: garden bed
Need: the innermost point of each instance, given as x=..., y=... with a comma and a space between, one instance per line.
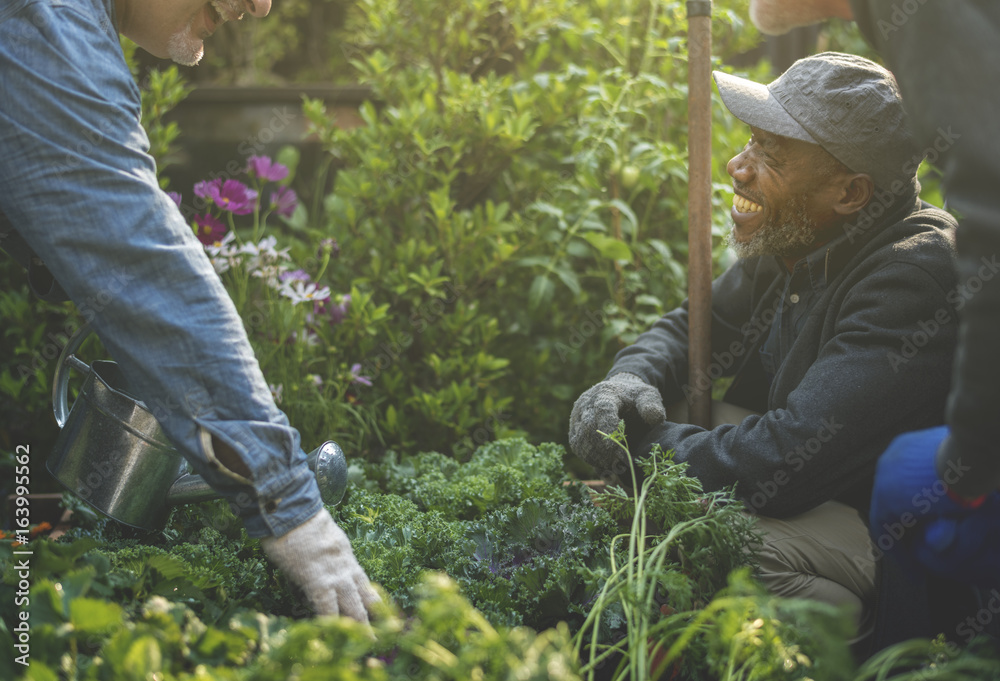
x=497, y=568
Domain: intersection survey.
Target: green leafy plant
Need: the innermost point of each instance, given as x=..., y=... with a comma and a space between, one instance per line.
x=291, y=316
x=525, y=547
x=516, y=200
x=934, y=659
x=79, y=631
x=680, y=546
x=651, y=586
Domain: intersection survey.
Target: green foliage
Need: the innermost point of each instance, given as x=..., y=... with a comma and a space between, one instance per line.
x=934, y=660
x=747, y=634
x=680, y=547
x=198, y=600
x=296, y=42
x=33, y=334
x=525, y=548
x=516, y=201
x=111, y=604
x=498, y=474
x=79, y=631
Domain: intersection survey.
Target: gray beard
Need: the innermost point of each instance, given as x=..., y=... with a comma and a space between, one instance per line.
x=789, y=234
x=184, y=49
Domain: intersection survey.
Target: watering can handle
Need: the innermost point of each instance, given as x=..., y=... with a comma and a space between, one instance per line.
x=60, y=385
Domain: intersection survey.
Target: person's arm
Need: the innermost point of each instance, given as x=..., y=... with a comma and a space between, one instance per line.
x=660, y=356
x=953, y=115
x=858, y=392
x=777, y=17
x=654, y=370
x=80, y=187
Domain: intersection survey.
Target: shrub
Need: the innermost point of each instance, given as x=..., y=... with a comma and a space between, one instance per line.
x=516, y=199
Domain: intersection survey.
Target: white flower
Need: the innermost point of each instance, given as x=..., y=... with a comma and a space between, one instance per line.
x=223, y=253
x=299, y=291
x=263, y=261
x=220, y=264
x=276, y=391
x=310, y=339
x=264, y=247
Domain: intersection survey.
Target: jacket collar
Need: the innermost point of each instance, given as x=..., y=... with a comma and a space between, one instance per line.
x=827, y=261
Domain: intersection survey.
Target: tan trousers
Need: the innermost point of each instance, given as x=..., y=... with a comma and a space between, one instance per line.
x=821, y=554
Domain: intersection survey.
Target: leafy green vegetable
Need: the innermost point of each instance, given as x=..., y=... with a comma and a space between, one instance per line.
x=77, y=635
x=649, y=586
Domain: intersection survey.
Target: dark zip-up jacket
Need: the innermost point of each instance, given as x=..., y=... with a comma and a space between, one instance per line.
x=872, y=360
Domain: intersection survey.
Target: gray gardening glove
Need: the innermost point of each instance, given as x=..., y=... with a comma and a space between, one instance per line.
x=623, y=396
x=317, y=556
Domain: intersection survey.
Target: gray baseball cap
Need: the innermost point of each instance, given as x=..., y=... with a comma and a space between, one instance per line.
x=848, y=105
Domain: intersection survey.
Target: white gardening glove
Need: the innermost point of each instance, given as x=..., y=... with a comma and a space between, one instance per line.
x=317, y=556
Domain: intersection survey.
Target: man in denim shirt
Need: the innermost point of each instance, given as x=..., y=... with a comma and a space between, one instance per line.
x=834, y=323
x=80, y=189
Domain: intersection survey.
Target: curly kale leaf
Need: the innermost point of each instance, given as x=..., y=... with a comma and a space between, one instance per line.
x=499, y=474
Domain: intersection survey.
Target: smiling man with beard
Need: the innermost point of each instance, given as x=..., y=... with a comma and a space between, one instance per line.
x=834, y=324
x=80, y=194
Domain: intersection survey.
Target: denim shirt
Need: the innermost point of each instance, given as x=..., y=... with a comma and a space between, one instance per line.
x=803, y=287
x=78, y=185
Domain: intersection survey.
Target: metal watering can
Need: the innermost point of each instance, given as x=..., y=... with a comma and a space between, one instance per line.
x=112, y=453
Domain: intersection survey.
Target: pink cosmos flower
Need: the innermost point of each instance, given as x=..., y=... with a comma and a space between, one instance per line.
x=206, y=188
x=284, y=201
x=300, y=275
x=356, y=376
x=231, y=195
x=175, y=197
x=264, y=168
x=209, y=229
x=335, y=311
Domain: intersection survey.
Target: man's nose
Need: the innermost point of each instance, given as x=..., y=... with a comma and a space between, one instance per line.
x=738, y=168
x=258, y=8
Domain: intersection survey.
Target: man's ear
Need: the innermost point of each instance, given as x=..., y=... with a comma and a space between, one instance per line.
x=858, y=191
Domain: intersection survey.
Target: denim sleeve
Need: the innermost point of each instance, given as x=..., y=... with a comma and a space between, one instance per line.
x=81, y=189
